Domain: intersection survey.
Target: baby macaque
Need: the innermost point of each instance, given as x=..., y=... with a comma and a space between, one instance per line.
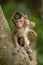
x=21, y=31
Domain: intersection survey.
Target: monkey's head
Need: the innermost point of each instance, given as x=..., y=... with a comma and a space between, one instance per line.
x=18, y=19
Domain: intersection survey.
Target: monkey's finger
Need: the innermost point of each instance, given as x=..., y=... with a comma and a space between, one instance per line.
x=32, y=23
x=33, y=34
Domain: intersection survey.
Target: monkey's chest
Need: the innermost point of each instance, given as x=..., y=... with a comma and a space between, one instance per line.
x=22, y=36
x=22, y=33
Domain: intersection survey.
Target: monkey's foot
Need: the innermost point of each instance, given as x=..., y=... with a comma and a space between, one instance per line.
x=29, y=52
x=30, y=57
x=16, y=50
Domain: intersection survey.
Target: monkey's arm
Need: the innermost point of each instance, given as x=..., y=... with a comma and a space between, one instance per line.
x=32, y=32
x=30, y=23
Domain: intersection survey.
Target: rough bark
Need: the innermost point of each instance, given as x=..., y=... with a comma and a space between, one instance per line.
x=7, y=47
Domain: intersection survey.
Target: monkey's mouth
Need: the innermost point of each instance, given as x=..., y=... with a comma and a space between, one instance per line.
x=19, y=27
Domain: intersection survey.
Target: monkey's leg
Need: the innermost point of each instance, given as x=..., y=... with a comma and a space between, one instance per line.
x=16, y=45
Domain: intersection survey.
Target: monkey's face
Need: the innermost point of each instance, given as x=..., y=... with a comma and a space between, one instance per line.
x=19, y=22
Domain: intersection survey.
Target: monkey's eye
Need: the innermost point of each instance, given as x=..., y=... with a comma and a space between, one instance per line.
x=16, y=21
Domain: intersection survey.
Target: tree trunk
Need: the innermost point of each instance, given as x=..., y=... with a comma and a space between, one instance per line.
x=7, y=47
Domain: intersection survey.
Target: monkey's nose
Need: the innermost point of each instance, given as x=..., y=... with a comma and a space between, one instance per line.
x=17, y=21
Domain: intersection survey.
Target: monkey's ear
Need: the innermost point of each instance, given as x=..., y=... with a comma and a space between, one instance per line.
x=12, y=18
x=26, y=17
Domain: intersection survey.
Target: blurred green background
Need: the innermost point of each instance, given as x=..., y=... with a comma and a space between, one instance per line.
x=34, y=10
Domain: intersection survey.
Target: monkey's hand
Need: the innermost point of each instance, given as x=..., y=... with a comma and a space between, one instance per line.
x=31, y=32
x=30, y=23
